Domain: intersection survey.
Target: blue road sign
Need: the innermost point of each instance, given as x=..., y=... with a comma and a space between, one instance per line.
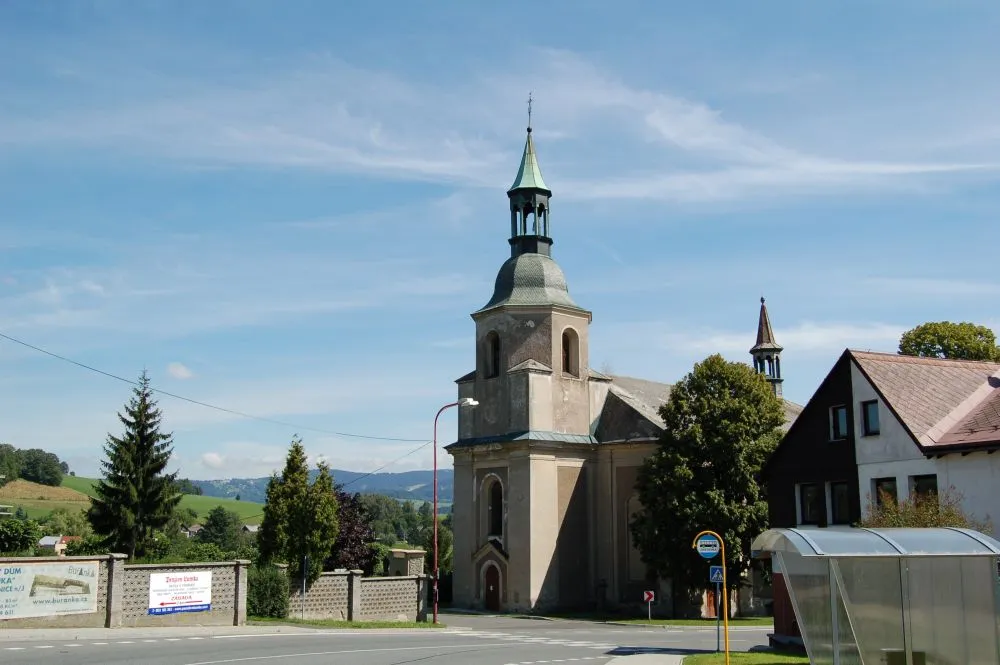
x=715, y=574
x=708, y=546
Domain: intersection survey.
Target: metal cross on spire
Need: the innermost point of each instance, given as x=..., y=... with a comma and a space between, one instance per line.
x=529, y=110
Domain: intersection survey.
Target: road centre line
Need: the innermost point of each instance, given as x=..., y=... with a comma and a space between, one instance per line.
x=474, y=647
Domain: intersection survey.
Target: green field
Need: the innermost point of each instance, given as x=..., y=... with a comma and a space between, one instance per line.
x=248, y=511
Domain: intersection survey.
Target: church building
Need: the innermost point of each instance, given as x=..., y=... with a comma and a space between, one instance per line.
x=546, y=464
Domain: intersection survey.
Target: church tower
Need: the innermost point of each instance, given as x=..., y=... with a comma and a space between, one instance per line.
x=767, y=352
x=520, y=509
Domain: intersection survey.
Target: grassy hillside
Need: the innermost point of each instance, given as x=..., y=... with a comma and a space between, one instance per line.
x=250, y=512
x=40, y=500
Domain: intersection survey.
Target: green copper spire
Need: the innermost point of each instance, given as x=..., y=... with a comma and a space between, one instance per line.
x=529, y=176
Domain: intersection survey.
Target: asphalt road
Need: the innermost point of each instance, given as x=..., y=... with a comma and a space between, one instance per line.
x=468, y=639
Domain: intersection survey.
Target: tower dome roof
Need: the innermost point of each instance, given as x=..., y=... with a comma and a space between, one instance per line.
x=530, y=279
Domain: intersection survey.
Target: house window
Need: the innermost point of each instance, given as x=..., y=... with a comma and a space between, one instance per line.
x=869, y=416
x=810, y=503
x=840, y=503
x=884, y=489
x=838, y=423
x=924, y=485
x=496, y=509
x=492, y=359
x=570, y=352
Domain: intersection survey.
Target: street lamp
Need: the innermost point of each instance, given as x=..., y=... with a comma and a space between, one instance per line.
x=464, y=401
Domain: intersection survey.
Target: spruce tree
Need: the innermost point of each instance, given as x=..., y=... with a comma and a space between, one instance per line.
x=135, y=497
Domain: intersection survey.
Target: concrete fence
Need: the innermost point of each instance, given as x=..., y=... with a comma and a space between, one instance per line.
x=101, y=591
x=347, y=596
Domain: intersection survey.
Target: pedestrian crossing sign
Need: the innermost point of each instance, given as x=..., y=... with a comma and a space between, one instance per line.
x=715, y=574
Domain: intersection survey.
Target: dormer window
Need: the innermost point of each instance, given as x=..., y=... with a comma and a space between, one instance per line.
x=491, y=367
x=570, y=353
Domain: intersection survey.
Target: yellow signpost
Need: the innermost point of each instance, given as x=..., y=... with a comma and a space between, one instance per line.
x=709, y=545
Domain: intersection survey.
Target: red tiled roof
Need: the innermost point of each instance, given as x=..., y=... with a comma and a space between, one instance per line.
x=937, y=398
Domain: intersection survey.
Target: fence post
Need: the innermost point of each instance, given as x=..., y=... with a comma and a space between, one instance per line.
x=242, y=584
x=423, y=588
x=116, y=590
x=354, y=595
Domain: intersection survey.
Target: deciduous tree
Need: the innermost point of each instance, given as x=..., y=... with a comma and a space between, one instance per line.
x=923, y=511
x=721, y=422
x=353, y=549
x=944, y=339
x=136, y=496
x=19, y=536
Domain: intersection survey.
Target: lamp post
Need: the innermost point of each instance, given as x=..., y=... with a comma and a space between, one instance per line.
x=465, y=401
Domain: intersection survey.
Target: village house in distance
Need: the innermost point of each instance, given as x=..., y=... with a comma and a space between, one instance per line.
x=546, y=464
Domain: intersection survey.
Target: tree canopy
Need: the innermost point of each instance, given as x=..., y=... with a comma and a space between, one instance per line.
x=944, y=339
x=223, y=528
x=353, y=549
x=19, y=536
x=34, y=464
x=300, y=520
x=135, y=497
x=722, y=421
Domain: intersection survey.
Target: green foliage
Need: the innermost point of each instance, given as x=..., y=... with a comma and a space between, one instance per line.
x=21, y=513
x=34, y=464
x=380, y=555
x=223, y=528
x=206, y=552
x=19, y=536
x=944, y=339
x=89, y=546
x=40, y=467
x=67, y=523
x=10, y=464
x=300, y=520
x=721, y=423
x=923, y=511
x=267, y=592
x=392, y=520
x=135, y=498
x=185, y=486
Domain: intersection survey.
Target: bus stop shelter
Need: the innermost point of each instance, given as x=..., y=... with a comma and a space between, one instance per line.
x=892, y=596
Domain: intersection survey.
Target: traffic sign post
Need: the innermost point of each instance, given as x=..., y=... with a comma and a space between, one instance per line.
x=648, y=597
x=709, y=545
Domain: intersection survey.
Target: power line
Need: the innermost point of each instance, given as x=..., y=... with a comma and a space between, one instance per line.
x=213, y=406
x=370, y=473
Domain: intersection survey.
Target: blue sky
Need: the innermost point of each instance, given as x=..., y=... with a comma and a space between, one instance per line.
x=290, y=209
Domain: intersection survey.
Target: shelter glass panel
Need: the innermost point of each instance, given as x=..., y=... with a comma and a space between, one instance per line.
x=808, y=582
x=952, y=608
x=847, y=645
x=873, y=598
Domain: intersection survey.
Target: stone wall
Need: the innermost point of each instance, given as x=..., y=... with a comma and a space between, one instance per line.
x=122, y=594
x=347, y=596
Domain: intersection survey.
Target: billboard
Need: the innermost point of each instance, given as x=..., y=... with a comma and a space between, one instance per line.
x=186, y=591
x=48, y=589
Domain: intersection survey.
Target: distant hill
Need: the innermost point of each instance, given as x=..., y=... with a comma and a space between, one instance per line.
x=407, y=485
x=249, y=511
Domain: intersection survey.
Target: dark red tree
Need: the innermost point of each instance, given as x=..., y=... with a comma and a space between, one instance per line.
x=353, y=549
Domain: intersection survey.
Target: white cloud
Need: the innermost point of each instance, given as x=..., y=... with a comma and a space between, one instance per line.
x=213, y=460
x=807, y=337
x=179, y=371
x=326, y=114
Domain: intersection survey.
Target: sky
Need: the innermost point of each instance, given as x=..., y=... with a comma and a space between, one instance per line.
x=290, y=209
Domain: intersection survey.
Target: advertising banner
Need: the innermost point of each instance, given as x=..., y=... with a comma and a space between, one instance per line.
x=47, y=589
x=187, y=591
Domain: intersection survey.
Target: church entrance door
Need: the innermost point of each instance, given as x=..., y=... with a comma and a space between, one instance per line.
x=491, y=580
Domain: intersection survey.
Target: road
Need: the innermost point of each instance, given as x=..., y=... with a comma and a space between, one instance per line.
x=467, y=639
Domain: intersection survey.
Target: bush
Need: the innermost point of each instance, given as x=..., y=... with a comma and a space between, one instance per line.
x=267, y=592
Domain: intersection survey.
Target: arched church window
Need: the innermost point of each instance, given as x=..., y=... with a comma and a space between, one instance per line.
x=570, y=352
x=496, y=509
x=492, y=356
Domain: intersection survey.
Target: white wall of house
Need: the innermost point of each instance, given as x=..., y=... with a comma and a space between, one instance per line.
x=977, y=477
x=891, y=453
